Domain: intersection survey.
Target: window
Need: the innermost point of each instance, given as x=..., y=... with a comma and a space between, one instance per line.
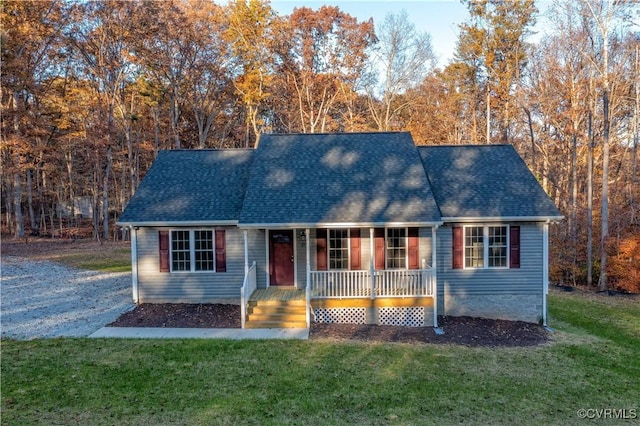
x=396, y=248
x=497, y=247
x=203, y=250
x=486, y=246
x=338, y=249
x=180, y=251
x=192, y=250
x=473, y=247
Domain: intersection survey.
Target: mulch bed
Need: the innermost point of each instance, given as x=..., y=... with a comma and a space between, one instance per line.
x=465, y=331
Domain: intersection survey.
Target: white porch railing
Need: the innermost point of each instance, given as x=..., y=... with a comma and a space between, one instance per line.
x=249, y=285
x=387, y=283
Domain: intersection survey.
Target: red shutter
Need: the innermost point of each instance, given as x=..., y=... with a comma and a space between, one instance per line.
x=356, y=252
x=163, y=237
x=458, y=248
x=321, y=249
x=221, y=252
x=514, y=248
x=378, y=243
x=414, y=248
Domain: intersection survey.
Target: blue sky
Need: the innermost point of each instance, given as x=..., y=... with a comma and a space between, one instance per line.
x=440, y=18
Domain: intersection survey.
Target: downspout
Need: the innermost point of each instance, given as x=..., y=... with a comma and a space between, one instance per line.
x=134, y=264
x=545, y=271
x=308, y=271
x=434, y=274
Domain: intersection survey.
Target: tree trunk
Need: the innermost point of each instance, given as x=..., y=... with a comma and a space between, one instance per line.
x=602, y=284
x=105, y=195
x=17, y=205
x=590, y=202
x=574, y=205
x=32, y=216
x=488, y=141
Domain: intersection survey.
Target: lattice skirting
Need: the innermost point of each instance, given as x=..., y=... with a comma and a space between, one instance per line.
x=341, y=315
x=408, y=317
x=399, y=316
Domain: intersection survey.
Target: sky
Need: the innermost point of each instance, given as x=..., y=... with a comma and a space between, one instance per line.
x=440, y=18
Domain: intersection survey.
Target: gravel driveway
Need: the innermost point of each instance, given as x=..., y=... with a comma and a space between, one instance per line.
x=41, y=299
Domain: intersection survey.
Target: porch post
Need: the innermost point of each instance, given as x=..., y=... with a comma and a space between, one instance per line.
x=434, y=273
x=545, y=271
x=246, y=252
x=372, y=278
x=307, y=234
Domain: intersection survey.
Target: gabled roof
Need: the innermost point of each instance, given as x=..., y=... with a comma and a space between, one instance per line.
x=485, y=182
x=337, y=179
x=191, y=187
x=342, y=179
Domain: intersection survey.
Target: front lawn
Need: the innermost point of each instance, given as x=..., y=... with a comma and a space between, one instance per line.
x=592, y=364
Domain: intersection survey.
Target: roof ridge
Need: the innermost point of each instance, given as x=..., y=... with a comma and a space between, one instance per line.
x=338, y=133
x=206, y=149
x=466, y=145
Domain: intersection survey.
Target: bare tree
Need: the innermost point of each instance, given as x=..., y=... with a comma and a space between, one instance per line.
x=404, y=57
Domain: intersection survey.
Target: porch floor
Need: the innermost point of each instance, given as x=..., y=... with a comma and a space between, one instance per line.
x=277, y=293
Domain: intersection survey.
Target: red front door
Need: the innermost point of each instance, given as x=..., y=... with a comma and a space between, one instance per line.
x=281, y=257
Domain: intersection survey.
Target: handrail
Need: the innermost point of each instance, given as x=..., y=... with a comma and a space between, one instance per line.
x=356, y=284
x=249, y=285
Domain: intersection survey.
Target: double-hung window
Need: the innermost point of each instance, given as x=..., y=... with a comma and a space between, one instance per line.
x=486, y=245
x=192, y=250
x=338, y=249
x=396, y=250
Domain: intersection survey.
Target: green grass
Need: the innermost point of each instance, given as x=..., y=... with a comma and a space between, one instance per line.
x=593, y=363
x=109, y=260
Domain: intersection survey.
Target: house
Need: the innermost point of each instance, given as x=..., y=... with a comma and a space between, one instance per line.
x=349, y=227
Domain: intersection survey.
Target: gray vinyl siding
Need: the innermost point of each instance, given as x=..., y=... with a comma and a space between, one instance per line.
x=526, y=280
x=197, y=287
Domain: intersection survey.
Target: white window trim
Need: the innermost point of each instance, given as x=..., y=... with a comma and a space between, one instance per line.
x=485, y=246
x=192, y=251
x=329, y=268
x=406, y=248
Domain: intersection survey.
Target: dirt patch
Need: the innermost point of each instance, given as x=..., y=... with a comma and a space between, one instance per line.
x=457, y=330
x=179, y=315
x=466, y=331
x=53, y=249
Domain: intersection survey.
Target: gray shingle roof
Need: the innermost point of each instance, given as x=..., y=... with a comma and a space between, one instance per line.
x=484, y=181
x=344, y=178
x=191, y=186
x=314, y=179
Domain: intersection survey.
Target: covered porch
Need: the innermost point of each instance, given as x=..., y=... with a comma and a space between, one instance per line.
x=333, y=291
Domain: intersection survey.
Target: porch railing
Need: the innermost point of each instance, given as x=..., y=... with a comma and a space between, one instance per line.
x=249, y=285
x=386, y=283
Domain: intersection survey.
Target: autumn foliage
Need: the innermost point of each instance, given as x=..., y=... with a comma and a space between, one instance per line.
x=91, y=91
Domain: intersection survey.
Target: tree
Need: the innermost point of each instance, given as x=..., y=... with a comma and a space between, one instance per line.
x=30, y=41
x=492, y=52
x=604, y=16
x=321, y=55
x=404, y=57
x=103, y=47
x=249, y=34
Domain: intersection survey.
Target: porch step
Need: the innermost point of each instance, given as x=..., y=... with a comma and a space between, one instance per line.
x=276, y=314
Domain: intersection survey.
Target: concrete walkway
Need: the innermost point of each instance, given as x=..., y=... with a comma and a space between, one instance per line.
x=200, y=333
